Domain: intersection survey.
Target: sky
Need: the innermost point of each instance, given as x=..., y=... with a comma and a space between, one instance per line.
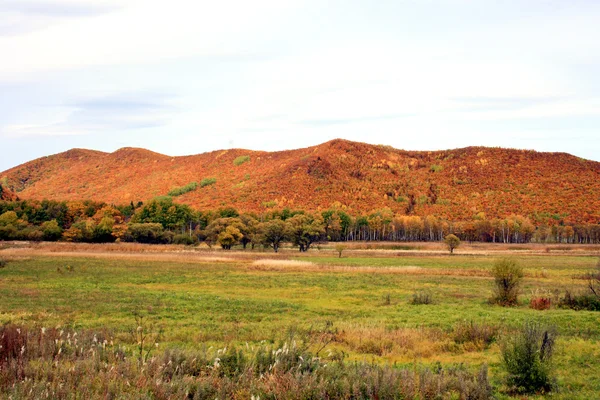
x=187, y=77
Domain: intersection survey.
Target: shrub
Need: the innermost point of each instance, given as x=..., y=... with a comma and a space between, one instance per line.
x=507, y=280
x=208, y=181
x=540, y=303
x=580, y=301
x=527, y=357
x=482, y=335
x=422, y=297
x=185, y=239
x=340, y=249
x=3, y=262
x=148, y=233
x=240, y=160
x=178, y=191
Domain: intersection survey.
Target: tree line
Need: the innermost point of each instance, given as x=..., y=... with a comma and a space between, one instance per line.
x=163, y=221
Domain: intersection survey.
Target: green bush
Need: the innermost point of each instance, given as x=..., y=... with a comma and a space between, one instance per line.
x=178, y=191
x=507, y=280
x=148, y=233
x=185, y=239
x=527, y=357
x=208, y=181
x=422, y=297
x=240, y=160
x=580, y=301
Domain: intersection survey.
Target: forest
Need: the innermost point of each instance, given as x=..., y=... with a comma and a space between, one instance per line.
x=163, y=221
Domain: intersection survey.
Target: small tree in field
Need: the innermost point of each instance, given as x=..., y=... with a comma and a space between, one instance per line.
x=507, y=280
x=340, y=248
x=452, y=241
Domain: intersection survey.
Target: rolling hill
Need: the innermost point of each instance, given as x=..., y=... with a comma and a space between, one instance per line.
x=453, y=184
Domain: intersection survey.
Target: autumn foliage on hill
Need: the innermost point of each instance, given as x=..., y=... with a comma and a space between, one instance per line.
x=548, y=188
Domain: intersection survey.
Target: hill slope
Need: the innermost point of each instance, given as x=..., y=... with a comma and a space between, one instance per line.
x=454, y=184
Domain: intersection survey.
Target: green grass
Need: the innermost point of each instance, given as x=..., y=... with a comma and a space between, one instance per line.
x=178, y=191
x=233, y=302
x=241, y=160
x=207, y=182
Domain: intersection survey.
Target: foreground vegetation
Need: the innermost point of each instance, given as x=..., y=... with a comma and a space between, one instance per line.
x=166, y=322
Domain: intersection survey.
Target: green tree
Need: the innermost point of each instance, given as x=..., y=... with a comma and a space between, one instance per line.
x=51, y=230
x=229, y=237
x=162, y=210
x=452, y=242
x=8, y=218
x=147, y=233
x=305, y=229
x=273, y=233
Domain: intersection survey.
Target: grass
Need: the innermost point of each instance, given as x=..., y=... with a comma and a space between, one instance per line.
x=217, y=298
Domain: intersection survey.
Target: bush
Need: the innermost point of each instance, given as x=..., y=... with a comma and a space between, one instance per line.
x=185, y=239
x=148, y=233
x=527, y=357
x=178, y=191
x=240, y=160
x=3, y=262
x=580, y=301
x=540, y=303
x=208, y=181
x=507, y=280
x=422, y=297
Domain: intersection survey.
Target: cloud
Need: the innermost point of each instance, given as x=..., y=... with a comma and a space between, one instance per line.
x=56, y=8
x=99, y=115
x=26, y=16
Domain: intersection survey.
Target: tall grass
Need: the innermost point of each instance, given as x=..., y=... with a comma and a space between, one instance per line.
x=48, y=363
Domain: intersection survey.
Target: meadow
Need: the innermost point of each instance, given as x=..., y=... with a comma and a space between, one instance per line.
x=353, y=310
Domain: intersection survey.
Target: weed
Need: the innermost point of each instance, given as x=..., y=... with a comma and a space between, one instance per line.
x=387, y=299
x=422, y=297
x=507, y=279
x=144, y=336
x=527, y=357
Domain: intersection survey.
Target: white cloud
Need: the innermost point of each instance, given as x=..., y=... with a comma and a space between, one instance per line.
x=275, y=74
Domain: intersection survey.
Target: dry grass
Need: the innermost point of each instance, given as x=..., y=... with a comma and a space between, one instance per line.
x=305, y=266
x=403, y=343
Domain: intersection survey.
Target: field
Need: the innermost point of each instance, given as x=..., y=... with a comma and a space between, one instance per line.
x=356, y=307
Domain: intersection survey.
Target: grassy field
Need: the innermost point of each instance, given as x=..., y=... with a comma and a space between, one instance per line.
x=216, y=298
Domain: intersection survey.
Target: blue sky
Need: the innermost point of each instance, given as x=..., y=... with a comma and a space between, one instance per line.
x=186, y=77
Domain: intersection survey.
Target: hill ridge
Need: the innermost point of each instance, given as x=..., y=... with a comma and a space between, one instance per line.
x=453, y=183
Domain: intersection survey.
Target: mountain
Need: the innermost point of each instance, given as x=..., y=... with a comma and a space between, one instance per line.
x=454, y=184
